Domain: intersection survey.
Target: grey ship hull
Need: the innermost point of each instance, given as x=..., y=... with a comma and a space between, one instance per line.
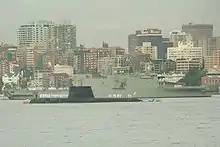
x=29, y=94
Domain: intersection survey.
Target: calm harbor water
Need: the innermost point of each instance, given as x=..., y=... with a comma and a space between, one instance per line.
x=172, y=122
x=183, y=122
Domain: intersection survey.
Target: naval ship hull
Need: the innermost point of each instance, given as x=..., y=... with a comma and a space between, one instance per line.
x=88, y=100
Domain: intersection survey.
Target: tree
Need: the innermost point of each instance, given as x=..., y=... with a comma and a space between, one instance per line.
x=9, y=56
x=23, y=83
x=193, y=77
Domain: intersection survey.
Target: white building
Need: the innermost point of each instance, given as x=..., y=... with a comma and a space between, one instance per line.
x=148, y=49
x=186, y=56
x=58, y=69
x=6, y=79
x=184, y=50
x=177, y=35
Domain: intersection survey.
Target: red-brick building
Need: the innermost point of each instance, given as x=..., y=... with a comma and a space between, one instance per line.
x=211, y=80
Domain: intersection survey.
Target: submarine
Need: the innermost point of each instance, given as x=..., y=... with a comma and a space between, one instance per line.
x=80, y=94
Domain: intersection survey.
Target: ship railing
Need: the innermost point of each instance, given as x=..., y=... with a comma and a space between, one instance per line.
x=117, y=95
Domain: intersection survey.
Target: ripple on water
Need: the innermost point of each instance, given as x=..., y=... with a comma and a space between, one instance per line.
x=67, y=142
x=45, y=132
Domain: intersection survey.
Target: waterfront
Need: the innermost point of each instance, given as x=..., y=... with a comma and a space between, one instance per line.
x=172, y=122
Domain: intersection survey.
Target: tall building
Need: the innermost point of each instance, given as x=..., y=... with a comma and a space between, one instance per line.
x=40, y=31
x=166, y=45
x=155, y=37
x=132, y=43
x=213, y=45
x=198, y=31
x=65, y=36
x=148, y=49
x=150, y=35
x=42, y=37
x=200, y=34
x=213, y=61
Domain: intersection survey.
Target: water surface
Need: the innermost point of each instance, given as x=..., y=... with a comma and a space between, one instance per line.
x=172, y=122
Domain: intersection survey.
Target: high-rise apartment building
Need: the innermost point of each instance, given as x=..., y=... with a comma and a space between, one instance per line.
x=42, y=37
x=65, y=36
x=40, y=31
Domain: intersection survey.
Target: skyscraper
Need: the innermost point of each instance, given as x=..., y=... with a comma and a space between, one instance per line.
x=41, y=32
x=155, y=37
x=48, y=34
x=132, y=43
x=200, y=34
x=65, y=36
x=198, y=31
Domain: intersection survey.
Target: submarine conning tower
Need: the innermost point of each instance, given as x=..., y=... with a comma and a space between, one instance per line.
x=80, y=92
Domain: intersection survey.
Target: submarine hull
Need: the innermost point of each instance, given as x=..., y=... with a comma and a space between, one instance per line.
x=88, y=100
x=80, y=94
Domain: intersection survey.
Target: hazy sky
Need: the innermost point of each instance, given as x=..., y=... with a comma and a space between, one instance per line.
x=108, y=20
